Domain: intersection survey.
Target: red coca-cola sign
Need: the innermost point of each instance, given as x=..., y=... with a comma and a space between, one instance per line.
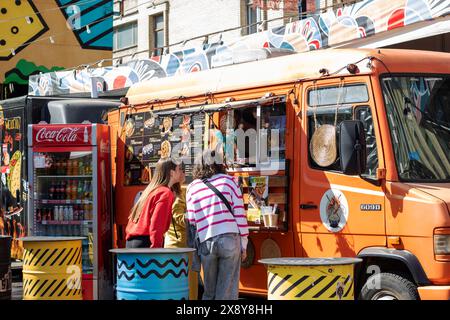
x=62, y=134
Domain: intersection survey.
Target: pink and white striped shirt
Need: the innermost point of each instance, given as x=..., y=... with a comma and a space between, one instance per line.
x=210, y=214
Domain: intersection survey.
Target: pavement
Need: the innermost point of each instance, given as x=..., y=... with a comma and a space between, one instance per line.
x=17, y=286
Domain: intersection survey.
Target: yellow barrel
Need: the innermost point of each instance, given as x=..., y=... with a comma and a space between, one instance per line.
x=52, y=268
x=310, y=279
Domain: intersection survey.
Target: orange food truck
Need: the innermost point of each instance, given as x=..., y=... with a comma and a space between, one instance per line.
x=357, y=162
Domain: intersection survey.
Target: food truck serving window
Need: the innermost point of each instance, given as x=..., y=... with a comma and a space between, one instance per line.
x=255, y=136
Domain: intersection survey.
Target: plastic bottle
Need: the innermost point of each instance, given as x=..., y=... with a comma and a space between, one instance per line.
x=66, y=214
x=73, y=190
x=38, y=215
x=80, y=190
x=64, y=167
x=51, y=193
x=69, y=168
x=75, y=213
x=81, y=168
x=89, y=196
x=75, y=168
x=70, y=213
x=81, y=215
x=56, y=213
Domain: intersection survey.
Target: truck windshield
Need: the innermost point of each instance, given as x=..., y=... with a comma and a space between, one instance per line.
x=418, y=111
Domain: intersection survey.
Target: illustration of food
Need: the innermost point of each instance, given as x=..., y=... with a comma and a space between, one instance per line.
x=148, y=149
x=145, y=175
x=149, y=123
x=21, y=24
x=186, y=120
x=167, y=124
x=165, y=149
x=129, y=153
x=129, y=127
x=14, y=173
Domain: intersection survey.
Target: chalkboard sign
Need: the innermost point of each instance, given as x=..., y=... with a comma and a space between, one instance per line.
x=150, y=137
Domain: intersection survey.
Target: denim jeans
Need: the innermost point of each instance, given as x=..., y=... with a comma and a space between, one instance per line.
x=221, y=261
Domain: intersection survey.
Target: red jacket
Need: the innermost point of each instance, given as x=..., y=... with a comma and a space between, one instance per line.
x=155, y=217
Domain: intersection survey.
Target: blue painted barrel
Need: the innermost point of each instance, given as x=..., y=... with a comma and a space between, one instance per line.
x=152, y=274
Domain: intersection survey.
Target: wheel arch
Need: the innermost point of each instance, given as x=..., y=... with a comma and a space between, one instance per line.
x=388, y=257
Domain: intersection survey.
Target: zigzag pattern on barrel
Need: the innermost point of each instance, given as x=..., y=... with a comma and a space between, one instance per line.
x=144, y=265
x=123, y=263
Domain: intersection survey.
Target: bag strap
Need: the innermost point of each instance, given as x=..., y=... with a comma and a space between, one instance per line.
x=174, y=229
x=219, y=194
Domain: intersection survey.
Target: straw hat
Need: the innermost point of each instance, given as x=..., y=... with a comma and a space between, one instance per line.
x=323, y=145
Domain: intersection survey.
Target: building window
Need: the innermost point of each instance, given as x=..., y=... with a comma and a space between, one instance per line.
x=158, y=28
x=125, y=7
x=254, y=15
x=125, y=36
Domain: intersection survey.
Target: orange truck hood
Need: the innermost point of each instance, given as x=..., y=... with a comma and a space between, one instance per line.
x=438, y=190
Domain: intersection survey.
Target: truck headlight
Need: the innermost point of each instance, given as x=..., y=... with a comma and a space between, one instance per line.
x=442, y=241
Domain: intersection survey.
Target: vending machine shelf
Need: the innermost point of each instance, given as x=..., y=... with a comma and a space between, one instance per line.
x=60, y=223
x=60, y=202
x=59, y=176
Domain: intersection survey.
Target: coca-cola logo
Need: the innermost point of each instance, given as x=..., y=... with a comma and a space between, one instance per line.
x=61, y=135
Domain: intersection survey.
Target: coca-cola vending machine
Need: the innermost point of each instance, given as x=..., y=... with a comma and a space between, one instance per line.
x=70, y=195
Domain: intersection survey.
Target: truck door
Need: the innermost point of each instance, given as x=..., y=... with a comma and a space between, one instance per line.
x=339, y=214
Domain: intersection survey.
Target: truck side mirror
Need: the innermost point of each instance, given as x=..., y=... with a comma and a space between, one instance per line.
x=352, y=147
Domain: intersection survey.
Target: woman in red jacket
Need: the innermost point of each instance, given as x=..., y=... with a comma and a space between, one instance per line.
x=151, y=215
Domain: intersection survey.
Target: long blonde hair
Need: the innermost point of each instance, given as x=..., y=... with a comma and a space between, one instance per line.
x=160, y=178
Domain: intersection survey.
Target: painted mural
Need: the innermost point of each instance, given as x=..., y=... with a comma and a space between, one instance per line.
x=12, y=195
x=356, y=21
x=46, y=36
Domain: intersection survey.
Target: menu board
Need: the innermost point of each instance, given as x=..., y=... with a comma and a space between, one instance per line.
x=150, y=137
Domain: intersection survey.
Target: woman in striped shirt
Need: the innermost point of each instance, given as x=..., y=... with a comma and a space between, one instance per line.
x=221, y=225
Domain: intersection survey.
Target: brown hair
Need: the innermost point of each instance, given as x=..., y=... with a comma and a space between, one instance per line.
x=160, y=178
x=206, y=165
x=176, y=188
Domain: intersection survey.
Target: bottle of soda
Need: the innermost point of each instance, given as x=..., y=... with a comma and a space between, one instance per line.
x=80, y=190
x=72, y=184
x=64, y=167
x=56, y=194
x=89, y=189
x=81, y=168
x=70, y=215
x=81, y=213
x=51, y=191
x=60, y=191
x=63, y=190
x=58, y=167
x=75, y=213
x=38, y=215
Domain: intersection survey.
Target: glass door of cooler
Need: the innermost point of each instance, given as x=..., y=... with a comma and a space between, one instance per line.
x=63, y=198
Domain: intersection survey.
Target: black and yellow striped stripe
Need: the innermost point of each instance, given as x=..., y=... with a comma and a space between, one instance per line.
x=55, y=289
x=310, y=283
x=48, y=270
x=52, y=257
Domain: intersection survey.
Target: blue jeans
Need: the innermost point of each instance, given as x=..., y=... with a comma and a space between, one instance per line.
x=221, y=261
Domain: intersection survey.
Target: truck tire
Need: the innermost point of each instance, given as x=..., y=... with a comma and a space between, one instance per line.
x=391, y=287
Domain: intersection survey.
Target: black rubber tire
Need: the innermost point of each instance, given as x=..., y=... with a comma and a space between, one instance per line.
x=390, y=283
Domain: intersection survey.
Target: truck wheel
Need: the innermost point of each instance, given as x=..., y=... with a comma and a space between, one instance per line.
x=388, y=286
